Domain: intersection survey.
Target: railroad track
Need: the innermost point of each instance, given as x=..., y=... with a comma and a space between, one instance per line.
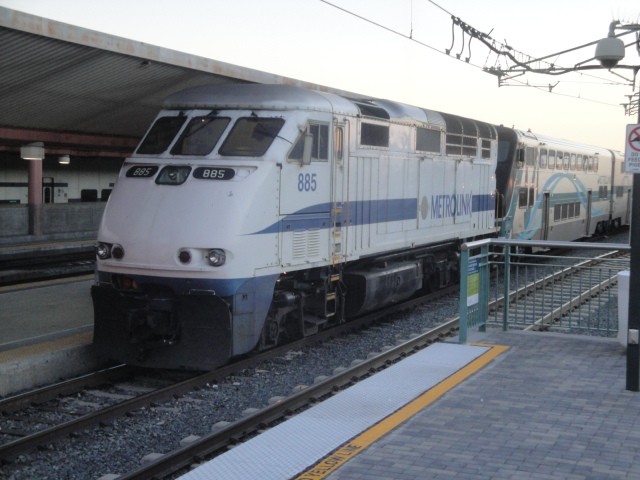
x=33, y=263
x=208, y=446
x=29, y=404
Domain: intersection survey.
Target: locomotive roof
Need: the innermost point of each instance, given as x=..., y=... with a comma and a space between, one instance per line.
x=286, y=97
x=252, y=97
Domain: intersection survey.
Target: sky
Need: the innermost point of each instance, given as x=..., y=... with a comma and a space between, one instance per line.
x=396, y=49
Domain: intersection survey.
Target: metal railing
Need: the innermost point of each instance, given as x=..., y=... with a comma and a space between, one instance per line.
x=505, y=286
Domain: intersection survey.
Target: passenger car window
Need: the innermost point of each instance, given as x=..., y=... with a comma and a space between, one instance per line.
x=552, y=159
x=543, y=158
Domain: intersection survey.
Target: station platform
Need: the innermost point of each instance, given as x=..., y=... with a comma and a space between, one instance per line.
x=46, y=331
x=521, y=405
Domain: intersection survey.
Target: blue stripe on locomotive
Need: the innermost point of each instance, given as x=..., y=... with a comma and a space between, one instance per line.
x=364, y=213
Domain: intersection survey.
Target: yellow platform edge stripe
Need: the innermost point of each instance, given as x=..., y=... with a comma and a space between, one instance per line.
x=339, y=457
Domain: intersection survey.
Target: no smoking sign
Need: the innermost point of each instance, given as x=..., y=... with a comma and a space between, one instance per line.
x=632, y=149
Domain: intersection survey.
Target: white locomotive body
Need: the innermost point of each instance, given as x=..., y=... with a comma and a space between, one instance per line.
x=253, y=213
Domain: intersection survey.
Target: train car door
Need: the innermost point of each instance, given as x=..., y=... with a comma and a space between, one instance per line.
x=545, y=216
x=588, y=213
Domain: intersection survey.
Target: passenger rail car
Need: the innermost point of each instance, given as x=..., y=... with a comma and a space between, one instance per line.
x=250, y=214
x=550, y=189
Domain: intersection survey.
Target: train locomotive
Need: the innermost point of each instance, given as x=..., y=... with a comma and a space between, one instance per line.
x=253, y=214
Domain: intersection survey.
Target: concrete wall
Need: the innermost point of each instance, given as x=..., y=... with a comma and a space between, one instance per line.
x=56, y=219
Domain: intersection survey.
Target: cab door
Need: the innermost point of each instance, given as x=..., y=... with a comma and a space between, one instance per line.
x=305, y=208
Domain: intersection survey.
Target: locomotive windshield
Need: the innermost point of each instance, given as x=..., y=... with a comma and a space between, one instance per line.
x=161, y=134
x=251, y=136
x=200, y=135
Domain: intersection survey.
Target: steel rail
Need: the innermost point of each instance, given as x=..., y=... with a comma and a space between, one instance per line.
x=10, y=450
x=244, y=428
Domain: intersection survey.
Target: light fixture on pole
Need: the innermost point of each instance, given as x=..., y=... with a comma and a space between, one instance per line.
x=610, y=50
x=32, y=151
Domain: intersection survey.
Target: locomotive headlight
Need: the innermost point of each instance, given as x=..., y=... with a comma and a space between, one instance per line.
x=103, y=251
x=216, y=257
x=117, y=251
x=184, y=256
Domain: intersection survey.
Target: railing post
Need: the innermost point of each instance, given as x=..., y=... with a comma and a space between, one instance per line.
x=507, y=281
x=483, y=307
x=464, y=267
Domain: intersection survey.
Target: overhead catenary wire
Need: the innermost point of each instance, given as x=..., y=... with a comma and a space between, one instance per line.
x=521, y=62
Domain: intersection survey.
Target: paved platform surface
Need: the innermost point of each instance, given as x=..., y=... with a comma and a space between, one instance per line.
x=551, y=406
x=46, y=333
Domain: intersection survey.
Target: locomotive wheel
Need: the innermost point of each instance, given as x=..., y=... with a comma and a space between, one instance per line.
x=270, y=333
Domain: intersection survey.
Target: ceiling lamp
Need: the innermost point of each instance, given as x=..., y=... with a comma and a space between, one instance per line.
x=32, y=151
x=64, y=160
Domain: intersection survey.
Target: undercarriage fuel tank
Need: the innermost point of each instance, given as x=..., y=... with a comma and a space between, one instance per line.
x=181, y=331
x=379, y=285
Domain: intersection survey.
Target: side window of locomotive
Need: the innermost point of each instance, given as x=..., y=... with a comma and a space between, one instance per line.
x=161, y=134
x=200, y=136
x=374, y=135
x=251, y=137
x=573, y=162
x=543, y=158
x=566, y=159
x=427, y=140
x=320, y=147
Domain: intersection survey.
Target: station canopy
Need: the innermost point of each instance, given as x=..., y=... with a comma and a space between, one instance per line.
x=86, y=93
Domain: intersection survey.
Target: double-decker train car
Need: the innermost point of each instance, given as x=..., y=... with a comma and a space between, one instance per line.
x=551, y=189
x=253, y=214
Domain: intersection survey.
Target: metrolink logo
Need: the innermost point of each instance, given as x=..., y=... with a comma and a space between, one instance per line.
x=445, y=206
